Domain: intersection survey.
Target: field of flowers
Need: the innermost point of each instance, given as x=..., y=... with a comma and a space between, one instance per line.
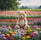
x=10, y=32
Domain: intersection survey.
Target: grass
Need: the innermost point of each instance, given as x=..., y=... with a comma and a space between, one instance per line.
x=29, y=10
x=12, y=17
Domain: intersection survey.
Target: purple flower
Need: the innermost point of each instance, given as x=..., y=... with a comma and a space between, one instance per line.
x=36, y=35
x=5, y=30
x=0, y=36
x=0, y=29
x=22, y=30
x=22, y=33
x=3, y=35
x=36, y=32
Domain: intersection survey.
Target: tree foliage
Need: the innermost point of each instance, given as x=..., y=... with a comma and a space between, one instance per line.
x=23, y=7
x=40, y=7
x=8, y=4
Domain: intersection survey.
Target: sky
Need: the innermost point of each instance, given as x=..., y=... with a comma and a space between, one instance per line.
x=30, y=2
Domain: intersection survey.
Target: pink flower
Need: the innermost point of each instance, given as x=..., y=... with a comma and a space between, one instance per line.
x=9, y=27
x=32, y=34
x=3, y=34
x=22, y=30
x=0, y=32
x=39, y=26
x=12, y=23
x=36, y=32
x=4, y=37
x=15, y=27
x=32, y=26
x=4, y=26
x=13, y=34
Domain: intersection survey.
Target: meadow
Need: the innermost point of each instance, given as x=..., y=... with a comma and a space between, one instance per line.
x=29, y=10
x=8, y=31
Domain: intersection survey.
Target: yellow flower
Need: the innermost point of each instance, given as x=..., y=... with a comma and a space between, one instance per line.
x=14, y=32
x=23, y=37
x=8, y=34
x=25, y=33
x=30, y=30
x=28, y=36
x=38, y=28
x=11, y=32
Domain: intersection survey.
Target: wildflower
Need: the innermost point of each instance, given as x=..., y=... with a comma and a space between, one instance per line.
x=38, y=28
x=5, y=30
x=32, y=26
x=13, y=34
x=36, y=35
x=30, y=30
x=25, y=33
x=22, y=30
x=12, y=23
x=4, y=37
x=4, y=26
x=36, y=32
x=24, y=38
x=9, y=37
x=39, y=31
x=0, y=36
x=1, y=29
x=8, y=34
x=9, y=27
x=28, y=36
x=0, y=32
x=32, y=34
x=15, y=27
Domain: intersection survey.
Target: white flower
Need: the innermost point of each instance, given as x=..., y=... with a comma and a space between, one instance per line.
x=39, y=31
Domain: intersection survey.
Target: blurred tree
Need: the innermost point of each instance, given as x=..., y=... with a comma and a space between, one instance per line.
x=40, y=7
x=8, y=5
x=24, y=7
